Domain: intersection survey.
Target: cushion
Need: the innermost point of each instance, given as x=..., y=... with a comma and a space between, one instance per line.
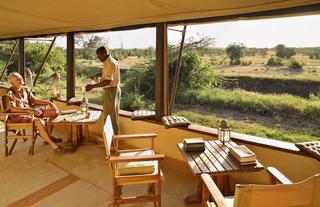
x=175, y=121
x=312, y=148
x=142, y=114
x=136, y=168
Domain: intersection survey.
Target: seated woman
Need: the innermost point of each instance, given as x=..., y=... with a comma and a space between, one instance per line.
x=21, y=99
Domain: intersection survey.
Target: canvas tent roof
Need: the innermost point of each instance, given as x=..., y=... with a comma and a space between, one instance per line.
x=20, y=18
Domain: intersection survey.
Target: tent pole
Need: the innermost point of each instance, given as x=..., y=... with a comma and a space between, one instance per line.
x=177, y=72
x=161, y=73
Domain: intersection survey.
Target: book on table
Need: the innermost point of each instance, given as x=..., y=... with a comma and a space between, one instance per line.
x=194, y=144
x=243, y=154
x=69, y=111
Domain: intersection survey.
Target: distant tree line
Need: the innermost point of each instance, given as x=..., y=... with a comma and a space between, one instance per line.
x=88, y=44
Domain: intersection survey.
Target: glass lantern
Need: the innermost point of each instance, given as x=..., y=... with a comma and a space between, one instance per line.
x=28, y=79
x=56, y=85
x=224, y=132
x=84, y=106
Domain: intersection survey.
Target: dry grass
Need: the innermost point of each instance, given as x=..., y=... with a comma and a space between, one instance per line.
x=311, y=68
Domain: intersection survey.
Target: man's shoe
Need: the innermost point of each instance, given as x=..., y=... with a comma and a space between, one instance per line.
x=60, y=150
x=56, y=140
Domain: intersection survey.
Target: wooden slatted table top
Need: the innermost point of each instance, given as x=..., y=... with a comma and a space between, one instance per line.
x=215, y=160
x=77, y=118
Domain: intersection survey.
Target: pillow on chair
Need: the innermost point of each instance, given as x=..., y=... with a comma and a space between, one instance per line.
x=133, y=168
x=142, y=114
x=312, y=148
x=175, y=121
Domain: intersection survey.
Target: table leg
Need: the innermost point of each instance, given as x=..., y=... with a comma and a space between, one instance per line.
x=85, y=133
x=75, y=134
x=222, y=182
x=195, y=199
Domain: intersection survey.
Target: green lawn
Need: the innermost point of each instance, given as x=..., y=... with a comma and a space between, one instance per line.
x=294, y=136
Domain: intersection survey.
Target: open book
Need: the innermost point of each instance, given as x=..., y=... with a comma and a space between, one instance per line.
x=243, y=154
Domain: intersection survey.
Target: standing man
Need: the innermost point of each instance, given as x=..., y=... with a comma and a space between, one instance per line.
x=110, y=82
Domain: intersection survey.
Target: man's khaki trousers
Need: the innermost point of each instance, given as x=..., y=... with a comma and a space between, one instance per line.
x=111, y=105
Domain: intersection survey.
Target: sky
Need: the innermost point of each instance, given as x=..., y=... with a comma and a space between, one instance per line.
x=301, y=31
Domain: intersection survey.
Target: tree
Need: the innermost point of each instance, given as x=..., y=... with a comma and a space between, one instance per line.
x=283, y=52
x=235, y=52
x=34, y=55
x=88, y=44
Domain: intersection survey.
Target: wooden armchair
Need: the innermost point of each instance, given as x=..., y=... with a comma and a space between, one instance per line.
x=282, y=193
x=133, y=167
x=15, y=131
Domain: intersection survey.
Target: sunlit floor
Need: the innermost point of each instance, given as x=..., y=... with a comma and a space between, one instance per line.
x=77, y=179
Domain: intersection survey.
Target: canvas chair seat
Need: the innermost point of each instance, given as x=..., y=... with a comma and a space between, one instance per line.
x=301, y=194
x=281, y=193
x=133, y=167
x=136, y=168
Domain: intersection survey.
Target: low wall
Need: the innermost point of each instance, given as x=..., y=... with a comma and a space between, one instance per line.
x=284, y=156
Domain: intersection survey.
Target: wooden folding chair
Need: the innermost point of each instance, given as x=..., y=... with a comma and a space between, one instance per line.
x=133, y=167
x=281, y=193
x=15, y=131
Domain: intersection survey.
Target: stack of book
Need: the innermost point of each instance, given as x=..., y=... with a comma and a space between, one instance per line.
x=243, y=155
x=194, y=145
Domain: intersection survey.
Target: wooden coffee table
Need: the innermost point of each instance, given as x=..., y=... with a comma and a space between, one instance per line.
x=217, y=162
x=79, y=124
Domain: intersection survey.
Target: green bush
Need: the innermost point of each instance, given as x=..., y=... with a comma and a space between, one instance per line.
x=274, y=61
x=294, y=64
x=133, y=101
x=243, y=62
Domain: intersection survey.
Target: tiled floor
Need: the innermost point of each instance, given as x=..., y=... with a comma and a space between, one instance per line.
x=76, y=179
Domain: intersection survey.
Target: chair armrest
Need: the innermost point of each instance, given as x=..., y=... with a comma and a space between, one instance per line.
x=16, y=113
x=277, y=177
x=6, y=115
x=114, y=159
x=213, y=190
x=134, y=136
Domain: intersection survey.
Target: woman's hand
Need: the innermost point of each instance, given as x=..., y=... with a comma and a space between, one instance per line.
x=36, y=112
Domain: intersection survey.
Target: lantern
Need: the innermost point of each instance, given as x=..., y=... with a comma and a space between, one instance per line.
x=224, y=132
x=28, y=79
x=56, y=85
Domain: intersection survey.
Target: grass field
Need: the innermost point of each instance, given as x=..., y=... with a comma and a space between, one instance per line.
x=257, y=129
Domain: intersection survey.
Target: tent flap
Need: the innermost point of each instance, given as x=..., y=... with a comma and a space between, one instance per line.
x=42, y=17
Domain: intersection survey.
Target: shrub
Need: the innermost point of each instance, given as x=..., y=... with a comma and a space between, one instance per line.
x=274, y=61
x=294, y=64
x=243, y=62
x=133, y=101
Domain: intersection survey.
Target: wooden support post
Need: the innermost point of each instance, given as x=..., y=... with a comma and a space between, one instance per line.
x=161, y=73
x=21, y=57
x=43, y=62
x=8, y=61
x=177, y=72
x=70, y=66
